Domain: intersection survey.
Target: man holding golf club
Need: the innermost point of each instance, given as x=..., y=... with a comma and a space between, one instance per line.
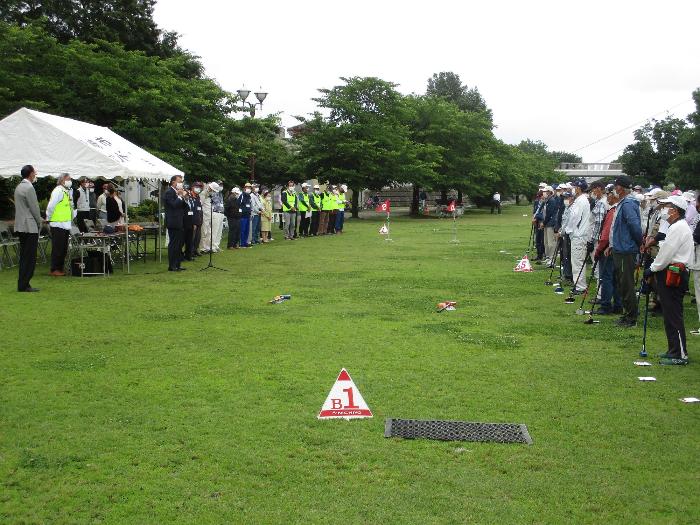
x=610, y=302
x=670, y=272
x=579, y=231
x=626, y=240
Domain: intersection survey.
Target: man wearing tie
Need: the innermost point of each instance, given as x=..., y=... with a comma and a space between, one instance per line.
x=175, y=209
x=27, y=225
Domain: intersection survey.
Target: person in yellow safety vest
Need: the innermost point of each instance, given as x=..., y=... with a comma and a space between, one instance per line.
x=315, y=205
x=334, y=210
x=60, y=215
x=340, y=214
x=289, y=210
x=304, y=202
x=326, y=207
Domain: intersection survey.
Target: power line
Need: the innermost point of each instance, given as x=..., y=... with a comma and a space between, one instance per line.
x=631, y=126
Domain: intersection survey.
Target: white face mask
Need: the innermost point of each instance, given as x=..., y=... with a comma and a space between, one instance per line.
x=178, y=185
x=247, y=190
x=256, y=190
x=317, y=191
x=290, y=188
x=92, y=190
x=68, y=184
x=663, y=214
x=198, y=190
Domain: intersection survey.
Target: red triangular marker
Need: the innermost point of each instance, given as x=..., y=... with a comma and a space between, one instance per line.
x=344, y=400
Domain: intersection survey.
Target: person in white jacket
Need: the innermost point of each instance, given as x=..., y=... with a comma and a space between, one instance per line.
x=578, y=228
x=213, y=220
x=670, y=270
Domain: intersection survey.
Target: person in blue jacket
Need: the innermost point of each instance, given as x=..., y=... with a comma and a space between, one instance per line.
x=626, y=238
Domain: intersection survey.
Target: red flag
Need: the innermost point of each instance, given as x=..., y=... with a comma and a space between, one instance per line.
x=451, y=206
x=384, y=207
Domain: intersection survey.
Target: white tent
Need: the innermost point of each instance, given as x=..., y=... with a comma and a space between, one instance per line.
x=56, y=145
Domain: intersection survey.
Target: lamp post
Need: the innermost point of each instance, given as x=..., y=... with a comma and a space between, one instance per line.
x=250, y=106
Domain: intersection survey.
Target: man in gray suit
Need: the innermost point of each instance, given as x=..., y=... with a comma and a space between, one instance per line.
x=27, y=225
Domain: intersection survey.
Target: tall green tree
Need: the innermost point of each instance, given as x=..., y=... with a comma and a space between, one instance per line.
x=447, y=85
x=364, y=140
x=685, y=168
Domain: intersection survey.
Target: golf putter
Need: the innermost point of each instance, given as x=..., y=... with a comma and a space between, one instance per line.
x=643, y=351
x=549, y=282
x=580, y=310
x=590, y=319
x=570, y=299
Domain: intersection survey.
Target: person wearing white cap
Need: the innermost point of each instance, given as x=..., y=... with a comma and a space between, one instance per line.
x=315, y=205
x=579, y=231
x=233, y=216
x=213, y=211
x=691, y=212
x=256, y=209
x=538, y=222
x=550, y=208
x=670, y=271
x=340, y=213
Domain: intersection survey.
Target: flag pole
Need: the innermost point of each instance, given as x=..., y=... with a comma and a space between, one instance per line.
x=454, y=227
x=388, y=227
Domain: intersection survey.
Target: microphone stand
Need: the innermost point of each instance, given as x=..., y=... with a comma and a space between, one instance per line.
x=211, y=238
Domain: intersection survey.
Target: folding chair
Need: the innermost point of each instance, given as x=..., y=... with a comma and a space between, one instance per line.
x=7, y=241
x=44, y=241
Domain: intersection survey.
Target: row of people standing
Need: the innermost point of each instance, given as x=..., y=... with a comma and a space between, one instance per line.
x=316, y=212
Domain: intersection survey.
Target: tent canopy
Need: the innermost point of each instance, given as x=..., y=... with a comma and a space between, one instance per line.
x=55, y=145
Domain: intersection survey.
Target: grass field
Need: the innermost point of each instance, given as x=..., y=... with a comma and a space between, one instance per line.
x=186, y=398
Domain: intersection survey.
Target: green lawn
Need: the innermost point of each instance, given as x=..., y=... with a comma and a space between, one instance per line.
x=186, y=398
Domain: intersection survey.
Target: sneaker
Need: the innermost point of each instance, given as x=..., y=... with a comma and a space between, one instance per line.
x=673, y=361
x=626, y=323
x=602, y=311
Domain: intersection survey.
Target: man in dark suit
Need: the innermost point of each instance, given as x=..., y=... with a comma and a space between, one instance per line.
x=28, y=225
x=175, y=209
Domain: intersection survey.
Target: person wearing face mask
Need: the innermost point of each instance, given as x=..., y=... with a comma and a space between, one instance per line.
x=175, y=209
x=232, y=211
x=304, y=203
x=695, y=227
x=333, y=203
x=213, y=213
x=244, y=206
x=93, y=202
x=256, y=207
x=548, y=223
x=670, y=271
x=60, y=214
x=28, y=223
x=289, y=210
x=266, y=217
x=340, y=212
x=598, y=213
x=315, y=206
x=609, y=301
x=625, y=243
x=326, y=207
x=102, y=203
x=579, y=232
x=566, y=270
x=115, y=207
x=81, y=198
x=654, y=231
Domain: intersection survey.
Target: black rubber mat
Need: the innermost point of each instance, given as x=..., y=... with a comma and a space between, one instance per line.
x=457, y=431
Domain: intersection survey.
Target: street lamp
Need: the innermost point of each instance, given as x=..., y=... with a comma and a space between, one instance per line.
x=243, y=95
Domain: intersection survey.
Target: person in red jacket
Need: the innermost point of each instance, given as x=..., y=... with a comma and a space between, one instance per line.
x=610, y=302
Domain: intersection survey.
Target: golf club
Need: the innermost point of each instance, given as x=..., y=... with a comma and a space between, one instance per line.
x=570, y=299
x=549, y=282
x=590, y=319
x=580, y=310
x=647, y=291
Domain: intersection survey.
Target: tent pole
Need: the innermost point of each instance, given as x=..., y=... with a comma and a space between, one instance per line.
x=160, y=227
x=126, y=216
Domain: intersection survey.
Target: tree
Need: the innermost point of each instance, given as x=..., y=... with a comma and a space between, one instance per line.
x=685, y=168
x=364, y=141
x=447, y=85
x=129, y=22
x=656, y=144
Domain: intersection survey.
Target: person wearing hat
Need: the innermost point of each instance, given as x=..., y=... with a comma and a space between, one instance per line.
x=289, y=211
x=340, y=213
x=304, y=202
x=695, y=227
x=609, y=301
x=670, y=271
x=315, y=205
x=256, y=207
x=562, y=223
x=266, y=217
x=233, y=216
x=175, y=210
x=579, y=231
x=626, y=239
x=551, y=208
x=333, y=211
x=326, y=208
x=213, y=215
x=691, y=212
x=538, y=222
x=244, y=207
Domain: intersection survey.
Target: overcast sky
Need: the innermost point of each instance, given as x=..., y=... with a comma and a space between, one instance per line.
x=567, y=73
